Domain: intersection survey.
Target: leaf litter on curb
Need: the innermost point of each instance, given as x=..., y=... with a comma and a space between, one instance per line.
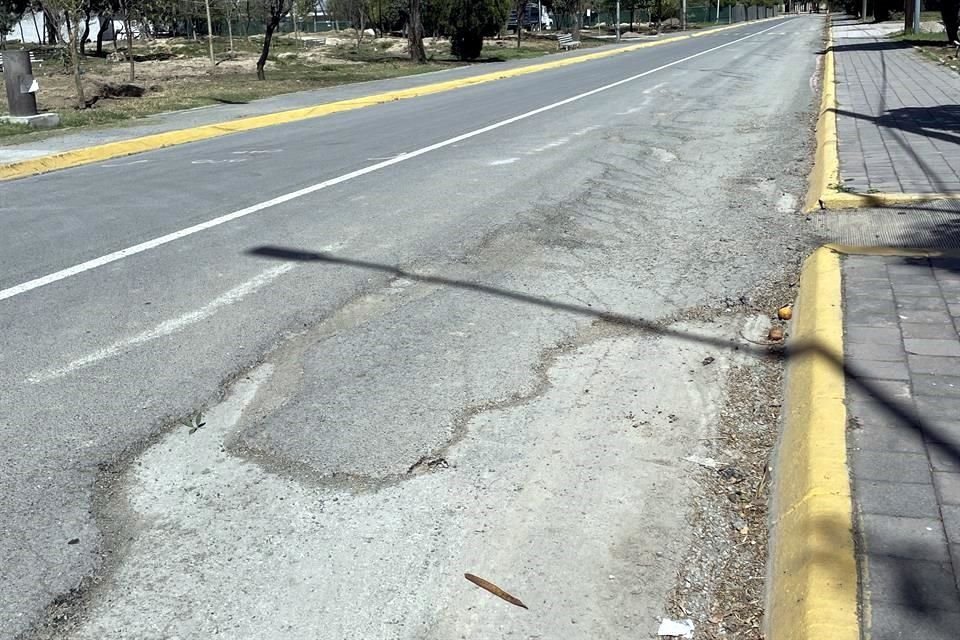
x=195, y=422
x=494, y=589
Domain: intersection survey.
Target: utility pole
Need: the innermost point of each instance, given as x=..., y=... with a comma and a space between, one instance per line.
x=718, y=11
x=863, y=12
x=683, y=20
x=618, y=20
x=213, y=62
x=916, y=16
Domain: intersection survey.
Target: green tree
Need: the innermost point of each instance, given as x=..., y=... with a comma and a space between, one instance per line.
x=471, y=20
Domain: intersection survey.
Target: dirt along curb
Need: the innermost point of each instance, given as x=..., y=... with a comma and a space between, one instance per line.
x=98, y=153
x=812, y=585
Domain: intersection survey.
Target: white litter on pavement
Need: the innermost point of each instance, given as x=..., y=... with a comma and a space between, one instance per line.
x=676, y=628
x=709, y=463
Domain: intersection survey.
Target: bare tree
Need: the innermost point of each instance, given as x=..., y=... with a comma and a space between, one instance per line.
x=72, y=13
x=275, y=11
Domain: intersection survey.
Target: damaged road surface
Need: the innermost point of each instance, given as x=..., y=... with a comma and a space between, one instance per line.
x=503, y=357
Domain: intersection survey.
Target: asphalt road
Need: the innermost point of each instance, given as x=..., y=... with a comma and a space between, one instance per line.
x=372, y=435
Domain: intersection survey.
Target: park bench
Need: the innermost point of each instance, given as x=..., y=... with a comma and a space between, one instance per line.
x=34, y=60
x=565, y=41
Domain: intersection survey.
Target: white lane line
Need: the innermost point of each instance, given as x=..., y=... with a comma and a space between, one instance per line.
x=168, y=327
x=326, y=184
x=124, y=164
x=559, y=142
x=639, y=107
x=497, y=163
x=586, y=130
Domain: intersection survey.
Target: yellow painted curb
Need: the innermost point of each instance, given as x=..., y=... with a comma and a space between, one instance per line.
x=833, y=199
x=121, y=148
x=905, y=252
x=826, y=163
x=824, y=184
x=812, y=591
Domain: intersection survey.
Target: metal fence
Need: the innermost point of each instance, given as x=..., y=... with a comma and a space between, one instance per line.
x=703, y=13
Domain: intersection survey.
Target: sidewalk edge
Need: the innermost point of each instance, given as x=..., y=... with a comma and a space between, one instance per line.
x=812, y=590
x=122, y=148
x=825, y=175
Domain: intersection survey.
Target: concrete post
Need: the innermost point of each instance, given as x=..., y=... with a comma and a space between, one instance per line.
x=17, y=78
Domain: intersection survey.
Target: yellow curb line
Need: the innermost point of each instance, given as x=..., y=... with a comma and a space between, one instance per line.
x=832, y=199
x=825, y=174
x=824, y=183
x=122, y=148
x=905, y=252
x=812, y=593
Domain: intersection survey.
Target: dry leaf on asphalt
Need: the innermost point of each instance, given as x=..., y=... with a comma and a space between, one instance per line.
x=494, y=589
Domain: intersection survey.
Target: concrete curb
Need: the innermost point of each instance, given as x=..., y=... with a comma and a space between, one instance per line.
x=825, y=175
x=812, y=588
x=98, y=153
x=824, y=191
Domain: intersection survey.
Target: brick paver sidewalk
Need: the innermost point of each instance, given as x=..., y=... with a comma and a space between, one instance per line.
x=901, y=320
x=898, y=114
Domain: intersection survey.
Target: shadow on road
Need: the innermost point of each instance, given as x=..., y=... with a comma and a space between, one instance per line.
x=902, y=414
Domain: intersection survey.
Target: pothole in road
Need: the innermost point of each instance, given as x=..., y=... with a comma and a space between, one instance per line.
x=577, y=501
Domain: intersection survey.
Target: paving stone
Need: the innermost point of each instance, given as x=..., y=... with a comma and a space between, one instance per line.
x=882, y=370
x=937, y=331
x=937, y=365
x=932, y=347
x=934, y=385
x=896, y=498
x=938, y=406
x=884, y=437
x=944, y=457
x=914, y=288
x=951, y=522
x=865, y=334
x=918, y=303
x=865, y=305
x=921, y=585
x=903, y=622
x=911, y=538
x=926, y=317
x=894, y=393
x=874, y=351
x=948, y=488
x=892, y=467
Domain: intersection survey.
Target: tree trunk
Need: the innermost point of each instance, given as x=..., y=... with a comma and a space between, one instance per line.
x=415, y=33
x=75, y=62
x=577, y=17
x=126, y=27
x=267, y=37
x=908, y=16
x=521, y=5
x=51, y=26
x=105, y=22
x=86, y=32
x=33, y=14
x=881, y=11
x=948, y=12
